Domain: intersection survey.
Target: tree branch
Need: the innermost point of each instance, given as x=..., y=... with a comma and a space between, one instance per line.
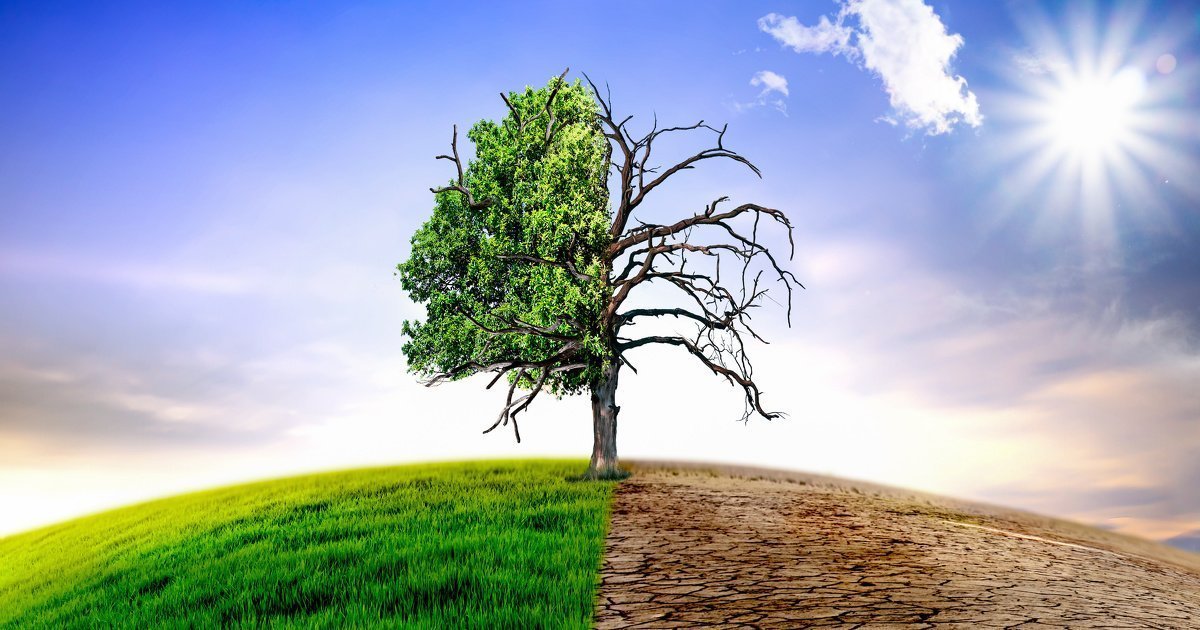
x=742, y=376
x=566, y=264
x=517, y=327
x=628, y=316
x=560, y=360
x=546, y=111
x=461, y=185
x=513, y=407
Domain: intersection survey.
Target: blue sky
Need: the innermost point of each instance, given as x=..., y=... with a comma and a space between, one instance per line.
x=201, y=206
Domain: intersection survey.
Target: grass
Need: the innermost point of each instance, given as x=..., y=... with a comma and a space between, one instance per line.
x=479, y=544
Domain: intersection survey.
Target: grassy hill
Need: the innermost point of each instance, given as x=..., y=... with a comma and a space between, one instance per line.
x=479, y=544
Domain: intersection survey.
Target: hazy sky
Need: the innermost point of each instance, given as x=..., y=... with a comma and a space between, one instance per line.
x=997, y=210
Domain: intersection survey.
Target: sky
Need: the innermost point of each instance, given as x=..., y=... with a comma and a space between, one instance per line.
x=996, y=205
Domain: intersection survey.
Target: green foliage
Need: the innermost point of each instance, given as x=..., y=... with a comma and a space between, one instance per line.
x=547, y=200
x=480, y=544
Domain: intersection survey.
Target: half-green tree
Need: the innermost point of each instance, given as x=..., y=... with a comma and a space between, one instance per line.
x=526, y=268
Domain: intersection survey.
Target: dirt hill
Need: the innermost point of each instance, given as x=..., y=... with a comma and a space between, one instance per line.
x=736, y=547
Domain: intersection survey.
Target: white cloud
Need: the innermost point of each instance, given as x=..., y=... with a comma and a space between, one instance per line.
x=905, y=44
x=894, y=373
x=1030, y=63
x=162, y=408
x=824, y=37
x=1097, y=403
x=1039, y=62
x=770, y=82
x=137, y=275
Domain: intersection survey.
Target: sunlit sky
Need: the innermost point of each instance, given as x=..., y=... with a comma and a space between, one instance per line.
x=997, y=210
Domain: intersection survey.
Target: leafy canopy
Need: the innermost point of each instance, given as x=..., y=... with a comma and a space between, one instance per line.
x=527, y=256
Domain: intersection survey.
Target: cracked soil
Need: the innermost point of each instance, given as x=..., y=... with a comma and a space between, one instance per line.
x=725, y=547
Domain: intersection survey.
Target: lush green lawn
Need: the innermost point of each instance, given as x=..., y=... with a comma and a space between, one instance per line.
x=479, y=544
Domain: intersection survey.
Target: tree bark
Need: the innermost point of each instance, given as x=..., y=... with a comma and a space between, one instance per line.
x=604, y=425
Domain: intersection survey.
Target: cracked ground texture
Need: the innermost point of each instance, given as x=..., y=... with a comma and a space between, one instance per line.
x=696, y=546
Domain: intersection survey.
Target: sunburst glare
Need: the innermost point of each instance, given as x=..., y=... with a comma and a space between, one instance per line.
x=1097, y=130
x=1090, y=115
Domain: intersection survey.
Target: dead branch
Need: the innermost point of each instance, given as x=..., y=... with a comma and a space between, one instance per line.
x=720, y=241
x=461, y=185
x=547, y=111
x=716, y=358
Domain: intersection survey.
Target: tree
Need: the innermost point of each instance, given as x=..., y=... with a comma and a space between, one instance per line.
x=526, y=269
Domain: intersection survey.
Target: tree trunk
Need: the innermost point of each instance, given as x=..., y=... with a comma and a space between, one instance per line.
x=604, y=426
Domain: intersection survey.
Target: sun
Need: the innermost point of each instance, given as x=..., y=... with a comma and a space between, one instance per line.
x=1090, y=115
x=1094, y=129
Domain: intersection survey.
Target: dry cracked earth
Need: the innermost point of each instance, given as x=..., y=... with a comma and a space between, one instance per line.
x=744, y=548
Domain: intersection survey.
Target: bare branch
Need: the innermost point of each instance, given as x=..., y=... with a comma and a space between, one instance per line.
x=635, y=158
x=461, y=186
x=615, y=132
x=515, y=114
x=741, y=375
x=550, y=129
x=513, y=407
x=707, y=154
x=546, y=111
x=731, y=269
x=708, y=217
x=628, y=316
x=561, y=360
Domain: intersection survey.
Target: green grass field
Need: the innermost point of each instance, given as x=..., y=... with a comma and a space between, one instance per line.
x=479, y=544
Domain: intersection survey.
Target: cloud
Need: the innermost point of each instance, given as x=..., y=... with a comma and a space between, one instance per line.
x=83, y=404
x=824, y=37
x=1035, y=395
x=905, y=44
x=1047, y=392
x=1030, y=63
x=770, y=82
x=137, y=275
x=1039, y=62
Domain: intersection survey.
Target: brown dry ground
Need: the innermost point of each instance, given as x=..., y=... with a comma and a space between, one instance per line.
x=696, y=545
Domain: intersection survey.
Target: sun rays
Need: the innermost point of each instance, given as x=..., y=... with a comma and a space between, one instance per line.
x=1096, y=130
x=1093, y=117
